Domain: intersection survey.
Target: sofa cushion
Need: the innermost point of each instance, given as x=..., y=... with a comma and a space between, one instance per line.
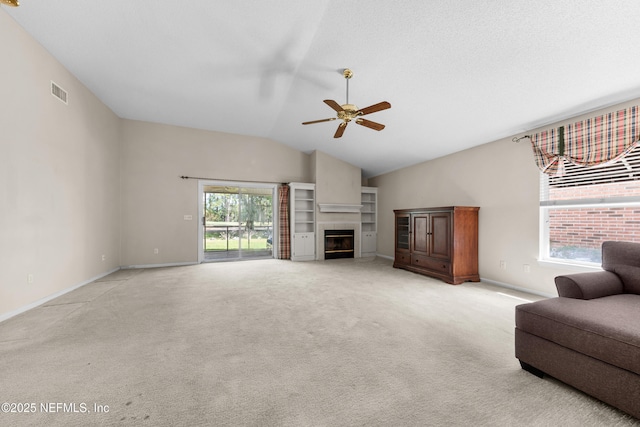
x=595, y=284
x=623, y=258
x=603, y=328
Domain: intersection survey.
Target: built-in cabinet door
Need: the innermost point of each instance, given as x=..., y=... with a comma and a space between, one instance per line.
x=440, y=235
x=303, y=245
x=368, y=242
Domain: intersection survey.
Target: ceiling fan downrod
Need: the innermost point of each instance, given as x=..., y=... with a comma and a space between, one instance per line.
x=347, y=73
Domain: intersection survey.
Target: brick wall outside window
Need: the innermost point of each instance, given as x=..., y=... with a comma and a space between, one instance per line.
x=589, y=227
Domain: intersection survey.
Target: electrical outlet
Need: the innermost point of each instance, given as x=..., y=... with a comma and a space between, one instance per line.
x=155, y=251
x=503, y=265
x=526, y=268
x=29, y=278
x=104, y=257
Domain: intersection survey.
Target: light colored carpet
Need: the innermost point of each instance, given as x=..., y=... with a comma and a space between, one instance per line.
x=278, y=343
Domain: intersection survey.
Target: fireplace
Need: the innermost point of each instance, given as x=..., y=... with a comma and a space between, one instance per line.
x=338, y=244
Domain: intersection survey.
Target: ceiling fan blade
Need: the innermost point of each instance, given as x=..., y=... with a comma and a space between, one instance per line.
x=370, y=124
x=340, y=130
x=319, y=121
x=373, y=108
x=333, y=104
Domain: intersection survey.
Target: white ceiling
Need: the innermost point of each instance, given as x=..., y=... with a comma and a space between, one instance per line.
x=458, y=73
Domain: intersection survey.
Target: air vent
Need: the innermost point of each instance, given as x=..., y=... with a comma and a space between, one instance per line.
x=58, y=92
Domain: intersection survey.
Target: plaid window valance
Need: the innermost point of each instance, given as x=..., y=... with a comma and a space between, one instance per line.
x=591, y=142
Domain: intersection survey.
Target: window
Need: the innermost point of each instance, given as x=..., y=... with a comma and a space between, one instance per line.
x=587, y=206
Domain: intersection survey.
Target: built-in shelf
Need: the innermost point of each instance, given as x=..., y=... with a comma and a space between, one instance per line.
x=302, y=221
x=369, y=220
x=339, y=207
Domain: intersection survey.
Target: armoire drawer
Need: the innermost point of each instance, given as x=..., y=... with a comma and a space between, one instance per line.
x=430, y=263
x=402, y=258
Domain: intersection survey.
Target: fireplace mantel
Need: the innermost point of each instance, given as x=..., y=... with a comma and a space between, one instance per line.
x=339, y=208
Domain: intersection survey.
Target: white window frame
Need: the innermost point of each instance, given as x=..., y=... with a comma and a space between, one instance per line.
x=631, y=164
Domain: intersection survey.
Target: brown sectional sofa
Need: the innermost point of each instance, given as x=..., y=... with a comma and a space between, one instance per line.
x=589, y=337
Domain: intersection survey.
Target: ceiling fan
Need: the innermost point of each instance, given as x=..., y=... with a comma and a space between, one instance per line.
x=13, y=3
x=348, y=112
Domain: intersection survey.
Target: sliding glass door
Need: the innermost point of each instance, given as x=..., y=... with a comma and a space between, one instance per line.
x=237, y=221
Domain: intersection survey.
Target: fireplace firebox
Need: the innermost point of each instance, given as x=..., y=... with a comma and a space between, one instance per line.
x=338, y=244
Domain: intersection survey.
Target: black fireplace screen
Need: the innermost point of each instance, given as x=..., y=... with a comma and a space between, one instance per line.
x=338, y=244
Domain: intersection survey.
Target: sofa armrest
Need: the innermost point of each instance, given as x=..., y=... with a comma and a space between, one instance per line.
x=590, y=285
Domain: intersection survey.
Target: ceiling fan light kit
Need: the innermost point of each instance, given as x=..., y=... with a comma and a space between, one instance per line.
x=12, y=3
x=350, y=112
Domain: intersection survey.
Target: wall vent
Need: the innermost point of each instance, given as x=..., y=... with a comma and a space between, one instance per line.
x=59, y=93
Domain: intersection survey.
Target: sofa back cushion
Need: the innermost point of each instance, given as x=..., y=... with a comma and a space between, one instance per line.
x=623, y=258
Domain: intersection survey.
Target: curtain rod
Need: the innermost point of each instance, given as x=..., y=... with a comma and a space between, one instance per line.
x=232, y=180
x=516, y=139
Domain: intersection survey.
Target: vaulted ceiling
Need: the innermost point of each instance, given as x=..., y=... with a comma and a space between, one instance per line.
x=458, y=73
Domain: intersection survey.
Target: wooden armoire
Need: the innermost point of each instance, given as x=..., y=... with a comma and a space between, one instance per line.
x=439, y=242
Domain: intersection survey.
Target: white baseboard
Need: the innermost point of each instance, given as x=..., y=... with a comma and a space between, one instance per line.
x=173, y=264
x=385, y=256
x=48, y=298
x=518, y=288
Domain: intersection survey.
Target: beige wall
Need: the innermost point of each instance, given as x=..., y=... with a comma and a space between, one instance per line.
x=503, y=180
x=155, y=199
x=59, y=191
x=336, y=182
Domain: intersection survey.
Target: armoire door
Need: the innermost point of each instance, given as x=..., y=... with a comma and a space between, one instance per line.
x=403, y=231
x=440, y=235
x=419, y=234
x=403, y=240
